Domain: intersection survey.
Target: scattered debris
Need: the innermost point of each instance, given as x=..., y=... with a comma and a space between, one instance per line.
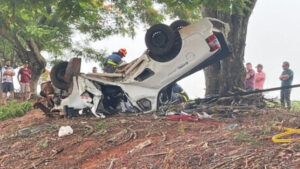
x=140, y=146
x=64, y=131
x=91, y=130
x=201, y=145
x=230, y=127
x=24, y=132
x=191, y=119
x=39, y=129
x=195, y=160
x=156, y=154
x=112, y=163
x=28, y=131
x=204, y=115
x=40, y=161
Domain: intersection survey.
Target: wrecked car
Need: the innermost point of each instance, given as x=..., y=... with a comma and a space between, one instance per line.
x=173, y=52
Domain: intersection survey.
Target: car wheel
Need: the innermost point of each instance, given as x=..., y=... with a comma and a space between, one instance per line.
x=179, y=24
x=160, y=39
x=71, y=112
x=57, y=76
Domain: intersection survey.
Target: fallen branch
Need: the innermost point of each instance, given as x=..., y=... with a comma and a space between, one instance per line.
x=133, y=131
x=91, y=130
x=121, y=133
x=164, y=136
x=156, y=154
x=111, y=165
x=140, y=146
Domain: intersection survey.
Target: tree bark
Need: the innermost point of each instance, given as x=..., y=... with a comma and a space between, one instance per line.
x=37, y=63
x=223, y=76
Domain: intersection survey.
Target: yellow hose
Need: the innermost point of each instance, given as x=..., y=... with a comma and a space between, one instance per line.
x=288, y=131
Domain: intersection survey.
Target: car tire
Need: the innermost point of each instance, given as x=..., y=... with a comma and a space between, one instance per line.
x=160, y=40
x=57, y=76
x=71, y=112
x=179, y=24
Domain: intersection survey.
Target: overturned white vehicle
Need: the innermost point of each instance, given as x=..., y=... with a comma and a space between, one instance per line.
x=174, y=52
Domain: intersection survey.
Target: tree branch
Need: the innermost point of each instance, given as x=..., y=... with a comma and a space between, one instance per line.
x=44, y=18
x=37, y=53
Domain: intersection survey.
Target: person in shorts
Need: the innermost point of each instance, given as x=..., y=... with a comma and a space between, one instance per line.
x=24, y=76
x=7, y=73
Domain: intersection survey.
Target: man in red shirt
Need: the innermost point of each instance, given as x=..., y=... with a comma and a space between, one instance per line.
x=25, y=74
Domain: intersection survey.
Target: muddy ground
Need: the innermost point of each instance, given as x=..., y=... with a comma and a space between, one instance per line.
x=149, y=141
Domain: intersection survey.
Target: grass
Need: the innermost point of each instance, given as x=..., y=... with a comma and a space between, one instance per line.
x=14, y=109
x=242, y=137
x=44, y=144
x=295, y=105
x=102, y=126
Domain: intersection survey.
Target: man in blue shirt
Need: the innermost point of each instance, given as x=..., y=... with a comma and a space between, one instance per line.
x=286, y=78
x=112, y=61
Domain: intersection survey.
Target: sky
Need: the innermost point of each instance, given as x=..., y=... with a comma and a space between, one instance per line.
x=272, y=38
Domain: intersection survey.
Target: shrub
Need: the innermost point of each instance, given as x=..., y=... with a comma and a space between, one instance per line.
x=14, y=109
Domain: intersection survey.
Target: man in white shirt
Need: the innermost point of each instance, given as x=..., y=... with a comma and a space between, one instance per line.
x=7, y=73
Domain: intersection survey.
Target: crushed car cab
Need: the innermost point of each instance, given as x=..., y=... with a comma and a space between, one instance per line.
x=173, y=53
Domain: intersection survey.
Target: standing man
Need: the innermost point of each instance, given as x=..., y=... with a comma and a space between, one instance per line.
x=25, y=74
x=94, y=70
x=112, y=61
x=7, y=74
x=250, y=75
x=286, y=78
x=260, y=78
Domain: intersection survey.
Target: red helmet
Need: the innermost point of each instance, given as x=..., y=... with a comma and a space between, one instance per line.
x=123, y=51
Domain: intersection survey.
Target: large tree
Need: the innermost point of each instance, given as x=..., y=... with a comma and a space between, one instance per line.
x=229, y=73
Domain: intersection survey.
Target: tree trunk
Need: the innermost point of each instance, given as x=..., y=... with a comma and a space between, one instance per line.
x=212, y=74
x=37, y=63
x=223, y=76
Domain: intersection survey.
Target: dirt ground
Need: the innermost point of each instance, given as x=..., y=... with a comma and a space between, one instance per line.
x=149, y=141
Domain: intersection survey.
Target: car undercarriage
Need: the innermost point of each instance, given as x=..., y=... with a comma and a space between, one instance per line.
x=174, y=52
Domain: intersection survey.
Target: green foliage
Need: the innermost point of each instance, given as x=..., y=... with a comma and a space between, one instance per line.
x=102, y=126
x=51, y=23
x=14, y=109
x=242, y=137
x=296, y=106
x=276, y=103
x=44, y=144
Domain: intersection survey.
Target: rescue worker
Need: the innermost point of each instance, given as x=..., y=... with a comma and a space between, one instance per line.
x=178, y=94
x=114, y=60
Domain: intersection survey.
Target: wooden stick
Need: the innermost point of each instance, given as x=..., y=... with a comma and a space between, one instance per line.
x=111, y=165
x=156, y=154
